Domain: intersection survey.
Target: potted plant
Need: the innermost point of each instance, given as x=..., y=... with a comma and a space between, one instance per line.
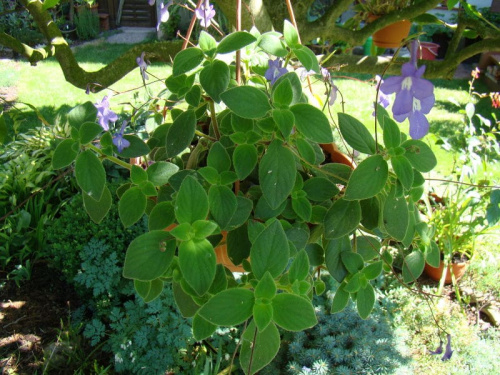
x=243, y=160
x=392, y=35
x=459, y=219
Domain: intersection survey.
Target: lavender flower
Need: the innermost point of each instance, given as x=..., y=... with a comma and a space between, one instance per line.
x=414, y=95
x=303, y=73
x=143, y=65
x=104, y=114
x=205, y=13
x=151, y=2
x=118, y=139
x=325, y=74
x=275, y=70
x=164, y=14
x=448, y=352
x=383, y=99
x=333, y=94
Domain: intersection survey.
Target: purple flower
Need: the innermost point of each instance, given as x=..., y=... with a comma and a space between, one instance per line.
x=325, y=74
x=104, y=114
x=414, y=95
x=164, y=14
x=151, y=2
x=118, y=139
x=303, y=73
x=383, y=99
x=275, y=70
x=205, y=13
x=448, y=352
x=438, y=350
x=333, y=95
x=143, y=65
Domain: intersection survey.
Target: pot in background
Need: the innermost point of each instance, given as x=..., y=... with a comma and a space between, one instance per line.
x=458, y=270
x=392, y=35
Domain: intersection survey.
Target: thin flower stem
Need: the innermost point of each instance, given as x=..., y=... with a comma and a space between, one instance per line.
x=203, y=135
x=252, y=352
x=121, y=163
x=463, y=183
x=213, y=116
x=191, y=27
x=238, y=52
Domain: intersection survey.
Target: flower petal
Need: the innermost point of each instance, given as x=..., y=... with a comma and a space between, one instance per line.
x=427, y=104
x=403, y=103
x=421, y=88
x=391, y=85
x=419, y=126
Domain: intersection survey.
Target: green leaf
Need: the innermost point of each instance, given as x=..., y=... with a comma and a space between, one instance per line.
x=354, y=283
x=65, y=153
x=136, y=149
x=98, y=210
x=244, y=160
x=132, y=206
x=149, y=256
x=365, y=300
x=333, y=260
x=368, y=179
x=3, y=129
x=282, y=94
x=154, y=291
x=235, y=41
x=340, y=300
x=184, y=301
x=370, y=212
x=181, y=133
x=293, y=312
x=277, y=174
x=270, y=251
x=392, y=135
x=142, y=288
x=138, y=175
x=207, y=42
x=192, y=202
x=242, y=213
x=403, y=170
x=223, y=204
x=197, y=264
x=220, y=281
x=193, y=96
x=306, y=150
x=312, y=123
x=238, y=244
x=315, y=253
x=90, y=174
x=202, y=328
x=262, y=314
x=432, y=254
x=187, y=60
x=229, y=307
x=420, y=155
x=413, y=266
x=372, y=271
x=356, y=134
x=203, y=228
x=299, y=269
x=272, y=44
x=47, y=4
x=160, y=172
x=353, y=262
x=258, y=348
x=246, y=101
x=89, y=131
x=214, y=78
x=219, y=158
x=368, y=247
x=342, y=218
x=179, y=84
x=266, y=288
x=320, y=189
x=307, y=58
x=396, y=216
x=290, y=34
x=86, y=112
x=285, y=119
x=302, y=208
x=161, y=216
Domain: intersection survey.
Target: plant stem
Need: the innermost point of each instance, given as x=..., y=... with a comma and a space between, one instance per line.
x=213, y=116
x=121, y=163
x=238, y=52
x=191, y=27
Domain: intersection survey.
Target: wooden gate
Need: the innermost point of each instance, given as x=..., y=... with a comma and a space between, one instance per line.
x=135, y=13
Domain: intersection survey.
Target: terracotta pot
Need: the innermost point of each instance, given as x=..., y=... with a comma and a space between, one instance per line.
x=392, y=35
x=220, y=252
x=428, y=50
x=435, y=274
x=336, y=156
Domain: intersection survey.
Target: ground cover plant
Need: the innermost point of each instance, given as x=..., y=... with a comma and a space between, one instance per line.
x=254, y=174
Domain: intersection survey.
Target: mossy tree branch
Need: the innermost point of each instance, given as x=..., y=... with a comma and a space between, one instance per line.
x=263, y=13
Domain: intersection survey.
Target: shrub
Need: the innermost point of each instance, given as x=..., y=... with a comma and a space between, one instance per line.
x=87, y=25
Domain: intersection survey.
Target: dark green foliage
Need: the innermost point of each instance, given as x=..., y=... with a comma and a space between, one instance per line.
x=87, y=25
x=340, y=343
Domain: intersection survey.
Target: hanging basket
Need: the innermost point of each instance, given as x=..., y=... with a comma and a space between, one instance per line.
x=392, y=35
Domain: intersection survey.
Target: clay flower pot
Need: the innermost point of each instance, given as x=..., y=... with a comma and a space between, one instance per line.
x=392, y=35
x=458, y=270
x=428, y=50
